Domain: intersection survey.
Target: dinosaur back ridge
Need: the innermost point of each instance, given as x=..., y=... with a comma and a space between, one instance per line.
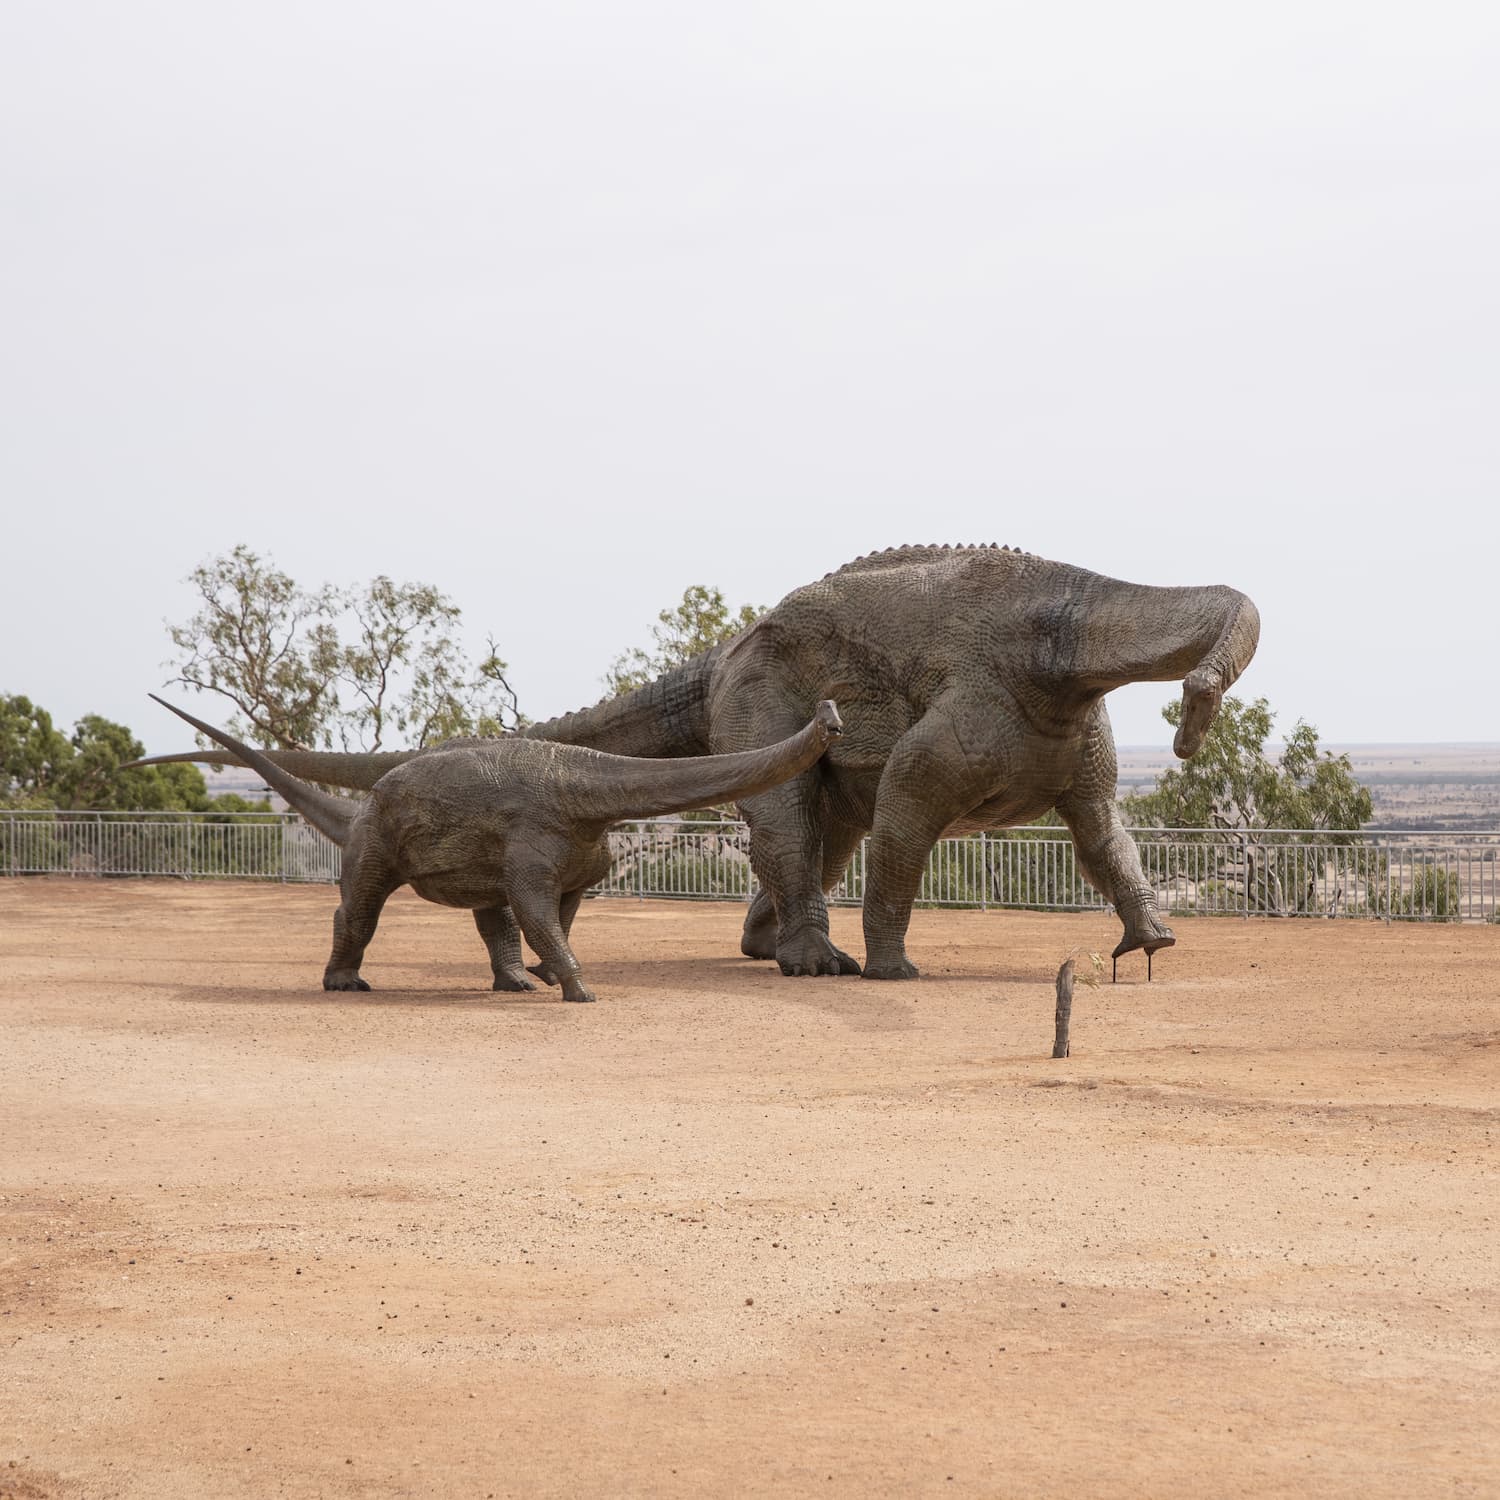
x=920, y=552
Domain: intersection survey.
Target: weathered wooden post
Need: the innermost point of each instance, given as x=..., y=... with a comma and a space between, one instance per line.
x=1064, y=1008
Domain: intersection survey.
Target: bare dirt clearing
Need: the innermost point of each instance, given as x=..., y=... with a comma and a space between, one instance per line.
x=728, y=1233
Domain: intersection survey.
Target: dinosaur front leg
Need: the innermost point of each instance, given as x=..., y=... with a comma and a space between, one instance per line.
x=1111, y=863
x=787, y=855
x=502, y=936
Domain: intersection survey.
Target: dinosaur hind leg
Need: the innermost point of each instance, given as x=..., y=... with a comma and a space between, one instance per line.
x=502, y=936
x=538, y=905
x=786, y=853
x=567, y=909
x=367, y=881
x=758, y=940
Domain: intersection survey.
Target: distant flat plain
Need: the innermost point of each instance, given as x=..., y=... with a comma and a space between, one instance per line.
x=1437, y=787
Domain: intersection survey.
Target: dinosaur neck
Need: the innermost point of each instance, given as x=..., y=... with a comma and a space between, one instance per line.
x=667, y=717
x=618, y=787
x=1135, y=633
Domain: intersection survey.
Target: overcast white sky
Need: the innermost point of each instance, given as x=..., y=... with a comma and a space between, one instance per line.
x=563, y=307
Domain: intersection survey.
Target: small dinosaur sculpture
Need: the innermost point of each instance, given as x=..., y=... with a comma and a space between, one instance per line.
x=512, y=830
x=980, y=675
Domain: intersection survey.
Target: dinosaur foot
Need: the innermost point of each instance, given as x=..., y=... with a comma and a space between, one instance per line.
x=759, y=941
x=1162, y=938
x=573, y=989
x=813, y=953
x=759, y=937
x=343, y=979
x=512, y=979
x=900, y=968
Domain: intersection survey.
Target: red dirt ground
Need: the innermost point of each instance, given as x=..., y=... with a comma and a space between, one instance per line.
x=728, y=1233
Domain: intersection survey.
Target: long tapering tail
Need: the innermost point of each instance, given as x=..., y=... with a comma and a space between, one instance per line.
x=357, y=769
x=328, y=814
x=667, y=717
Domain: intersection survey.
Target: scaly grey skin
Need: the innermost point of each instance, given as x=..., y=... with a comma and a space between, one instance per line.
x=979, y=674
x=512, y=830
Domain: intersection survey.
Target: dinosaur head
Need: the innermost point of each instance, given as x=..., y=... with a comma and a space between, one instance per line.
x=1202, y=693
x=1204, y=687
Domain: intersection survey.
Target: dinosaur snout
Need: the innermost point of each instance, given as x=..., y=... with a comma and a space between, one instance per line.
x=1200, y=704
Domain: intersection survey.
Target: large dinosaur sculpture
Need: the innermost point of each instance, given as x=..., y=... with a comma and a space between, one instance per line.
x=974, y=678
x=512, y=830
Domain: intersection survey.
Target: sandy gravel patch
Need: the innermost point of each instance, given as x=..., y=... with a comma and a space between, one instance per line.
x=729, y=1233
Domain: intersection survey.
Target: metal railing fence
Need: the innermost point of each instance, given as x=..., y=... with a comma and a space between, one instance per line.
x=192, y=846
x=1212, y=872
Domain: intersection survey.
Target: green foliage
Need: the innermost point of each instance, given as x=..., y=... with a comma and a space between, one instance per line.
x=267, y=645
x=352, y=667
x=42, y=768
x=1431, y=891
x=32, y=753
x=1434, y=892
x=407, y=629
x=1234, y=786
x=702, y=620
x=227, y=806
x=1232, y=783
x=93, y=778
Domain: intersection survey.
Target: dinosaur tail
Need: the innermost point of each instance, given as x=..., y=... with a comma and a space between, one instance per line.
x=667, y=717
x=620, y=786
x=328, y=814
x=359, y=769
